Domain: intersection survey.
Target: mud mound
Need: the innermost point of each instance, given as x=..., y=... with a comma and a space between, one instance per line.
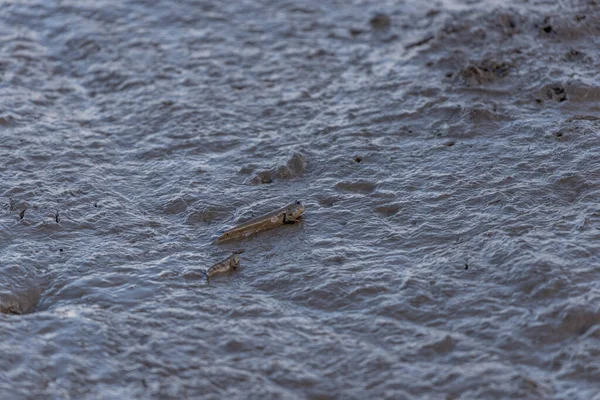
x=294, y=167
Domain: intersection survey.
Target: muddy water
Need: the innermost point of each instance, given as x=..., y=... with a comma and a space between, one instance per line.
x=446, y=152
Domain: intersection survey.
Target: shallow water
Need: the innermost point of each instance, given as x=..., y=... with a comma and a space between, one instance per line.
x=457, y=259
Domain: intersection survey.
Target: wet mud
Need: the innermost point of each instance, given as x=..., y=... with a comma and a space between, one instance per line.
x=446, y=153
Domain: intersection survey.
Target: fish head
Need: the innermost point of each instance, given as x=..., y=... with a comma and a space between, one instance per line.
x=235, y=261
x=294, y=211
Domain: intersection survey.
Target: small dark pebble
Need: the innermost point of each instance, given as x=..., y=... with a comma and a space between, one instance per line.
x=96, y=204
x=380, y=21
x=57, y=218
x=466, y=266
x=22, y=213
x=358, y=159
x=60, y=249
x=547, y=28
x=450, y=143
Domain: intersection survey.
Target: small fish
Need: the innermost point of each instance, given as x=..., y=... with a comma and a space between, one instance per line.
x=285, y=215
x=229, y=264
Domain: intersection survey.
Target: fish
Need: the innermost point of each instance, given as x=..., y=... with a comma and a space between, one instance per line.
x=229, y=264
x=285, y=215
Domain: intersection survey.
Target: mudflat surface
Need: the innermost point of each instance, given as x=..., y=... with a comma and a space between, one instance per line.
x=446, y=152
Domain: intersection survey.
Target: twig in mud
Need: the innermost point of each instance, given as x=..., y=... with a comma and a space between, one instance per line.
x=421, y=42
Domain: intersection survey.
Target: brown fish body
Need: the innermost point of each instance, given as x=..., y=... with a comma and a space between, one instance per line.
x=229, y=264
x=288, y=214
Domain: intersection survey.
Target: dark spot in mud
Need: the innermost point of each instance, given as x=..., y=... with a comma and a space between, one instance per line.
x=556, y=93
x=358, y=159
x=355, y=31
x=168, y=103
x=22, y=213
x=449, y=74
x=565, y=132
x=450, y=143
x=57, y=217
x=509, y=23
x=60, y=250
x=546, y=26
x=96, y=204
x=380, y=21
x=485, y=71
x=466, y=266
